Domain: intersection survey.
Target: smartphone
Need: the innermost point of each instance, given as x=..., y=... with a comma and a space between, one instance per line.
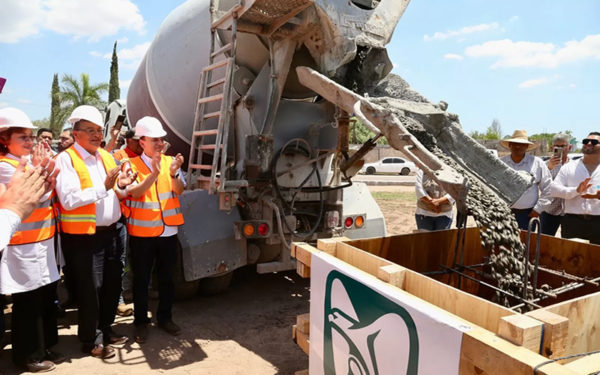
x=558, y=152
x=119, y=122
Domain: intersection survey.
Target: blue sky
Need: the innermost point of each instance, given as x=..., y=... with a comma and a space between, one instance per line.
x=532, y=65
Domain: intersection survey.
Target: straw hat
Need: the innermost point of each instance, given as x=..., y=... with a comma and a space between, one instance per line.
x=519, y=136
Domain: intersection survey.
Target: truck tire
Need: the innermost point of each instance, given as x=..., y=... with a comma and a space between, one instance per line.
x=216, y=284
x=371, y=170
x=405, y=171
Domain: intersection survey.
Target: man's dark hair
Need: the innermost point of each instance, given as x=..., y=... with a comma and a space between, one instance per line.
x=595, y=133
x=42, y=130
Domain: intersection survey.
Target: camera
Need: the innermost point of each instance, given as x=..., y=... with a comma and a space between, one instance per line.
x=558, y=152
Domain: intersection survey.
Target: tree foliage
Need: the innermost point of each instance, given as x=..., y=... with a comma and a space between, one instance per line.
x=57, y=117
x=494, y=131
x=75, y=93
x=359, y=133
x=44, y=123
x=114, y=92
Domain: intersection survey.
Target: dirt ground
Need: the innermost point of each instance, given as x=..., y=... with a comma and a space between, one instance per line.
x=246, y=330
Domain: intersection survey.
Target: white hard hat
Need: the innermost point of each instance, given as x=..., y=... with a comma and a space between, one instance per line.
x=149, y=127
x=88, y=113
x=14, y=118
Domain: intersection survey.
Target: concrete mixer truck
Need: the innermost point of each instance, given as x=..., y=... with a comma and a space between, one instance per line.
x=268, y=157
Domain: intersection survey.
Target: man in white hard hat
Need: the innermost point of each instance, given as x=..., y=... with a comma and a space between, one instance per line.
x=88, y=189
x=532, y=202
x=153, y=217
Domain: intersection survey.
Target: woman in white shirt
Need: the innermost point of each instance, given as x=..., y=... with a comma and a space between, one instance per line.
x=434, y=205
x=28, y=266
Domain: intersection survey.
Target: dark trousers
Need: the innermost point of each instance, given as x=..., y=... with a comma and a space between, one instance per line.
x=95, y=265
x=433, y=222
x=522, y=217
x=33, y=324
x=147, y=252
x=550, y=223
x=581, y=226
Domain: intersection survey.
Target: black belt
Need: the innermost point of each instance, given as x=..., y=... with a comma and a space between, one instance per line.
x=520, y=210
x=584, y=217
x=113, y=226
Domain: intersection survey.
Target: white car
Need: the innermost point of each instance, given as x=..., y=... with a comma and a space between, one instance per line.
x=390, y=165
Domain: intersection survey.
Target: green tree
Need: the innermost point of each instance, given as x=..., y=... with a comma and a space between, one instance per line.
x=57, y=117
x=43, y=123
x=359, y=133
x=74, y=93
x=114, y=92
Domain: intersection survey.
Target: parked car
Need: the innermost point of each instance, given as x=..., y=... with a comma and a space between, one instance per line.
x=572, y=156
x=390, y=165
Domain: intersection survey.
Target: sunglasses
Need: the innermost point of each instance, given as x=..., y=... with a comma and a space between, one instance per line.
x=594, y=142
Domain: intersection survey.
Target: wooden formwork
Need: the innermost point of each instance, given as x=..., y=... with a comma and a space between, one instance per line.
x=499, y=340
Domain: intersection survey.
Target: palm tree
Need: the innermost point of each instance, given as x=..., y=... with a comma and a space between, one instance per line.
x=74, y=93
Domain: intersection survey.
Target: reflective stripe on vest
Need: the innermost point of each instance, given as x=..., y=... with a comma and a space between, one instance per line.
x=40, y=225
x=82, y=220
x=159, y=206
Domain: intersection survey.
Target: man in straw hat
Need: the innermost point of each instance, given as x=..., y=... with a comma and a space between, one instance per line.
x=534, y=199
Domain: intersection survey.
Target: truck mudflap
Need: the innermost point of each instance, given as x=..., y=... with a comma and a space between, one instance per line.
x=208, y=244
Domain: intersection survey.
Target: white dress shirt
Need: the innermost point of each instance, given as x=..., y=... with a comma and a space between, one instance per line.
x=30, y=266
x=538, y=194
x=565, y=186
x=422, y=193
x=169, y=230
x=70, y=194
x=9, y=222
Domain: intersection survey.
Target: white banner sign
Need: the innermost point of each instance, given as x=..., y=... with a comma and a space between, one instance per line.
x=362, y=326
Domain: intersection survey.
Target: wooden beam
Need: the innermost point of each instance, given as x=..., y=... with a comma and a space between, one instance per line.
x=360, y=259
x=392, y=274
x=585, y=365
x=302, y=252
x=556, y=331
x=303, y=323
x=301, y=372
x=486, y=353
x=521, y=330
x=476, y=310
x=301, y=339
x=584, y=325
x=328, y=245
x=302, y=270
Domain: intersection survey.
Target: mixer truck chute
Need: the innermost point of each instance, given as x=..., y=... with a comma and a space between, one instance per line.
x=269, y=153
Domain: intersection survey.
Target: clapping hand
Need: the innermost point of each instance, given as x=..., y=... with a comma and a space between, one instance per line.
x=40, y=152
x=111, y=178
x=176, y=164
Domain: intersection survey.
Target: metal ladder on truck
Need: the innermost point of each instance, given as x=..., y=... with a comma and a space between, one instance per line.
x=208, y=151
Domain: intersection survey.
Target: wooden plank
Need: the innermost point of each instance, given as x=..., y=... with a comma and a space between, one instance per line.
x=303, y=323
x=302, y=340
x=328, y=245
x=303, y=252
x=556, y=330
x=585, y=365
x=302, y=270
x=360, y=259
x=392, y=274
x=521, y=330
x=301, y=372
x=471, y=308
x=486, y=353
x=584, y=324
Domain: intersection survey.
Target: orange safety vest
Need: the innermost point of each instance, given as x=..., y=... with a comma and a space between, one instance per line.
x=40, y=225
x=82, y=220
x=159, y=206
x=120, y=154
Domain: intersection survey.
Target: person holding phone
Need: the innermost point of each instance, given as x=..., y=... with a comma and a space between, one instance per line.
x=553, y=212
x=577, y=183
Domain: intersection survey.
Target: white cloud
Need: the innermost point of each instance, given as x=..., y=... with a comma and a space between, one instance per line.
x=123, y=40
x=78, y=18
x=533, y=54
x=533, y=82
x=453, y=56
x=95, y=53
x=129, y=58
x=4, y=104
x=463, y=31
x=24, y=101
x=572, y=86
x=19, y=19
x=513, y=19
x=92, y=19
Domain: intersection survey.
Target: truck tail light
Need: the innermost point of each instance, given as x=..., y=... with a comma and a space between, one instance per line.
x=263, y=229
x=248, y=230
x=359, y=221
x=348, y=222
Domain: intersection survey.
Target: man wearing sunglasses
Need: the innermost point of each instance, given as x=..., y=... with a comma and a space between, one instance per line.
x=578, y=183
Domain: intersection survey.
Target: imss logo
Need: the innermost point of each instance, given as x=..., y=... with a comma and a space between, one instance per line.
x=366, y=333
